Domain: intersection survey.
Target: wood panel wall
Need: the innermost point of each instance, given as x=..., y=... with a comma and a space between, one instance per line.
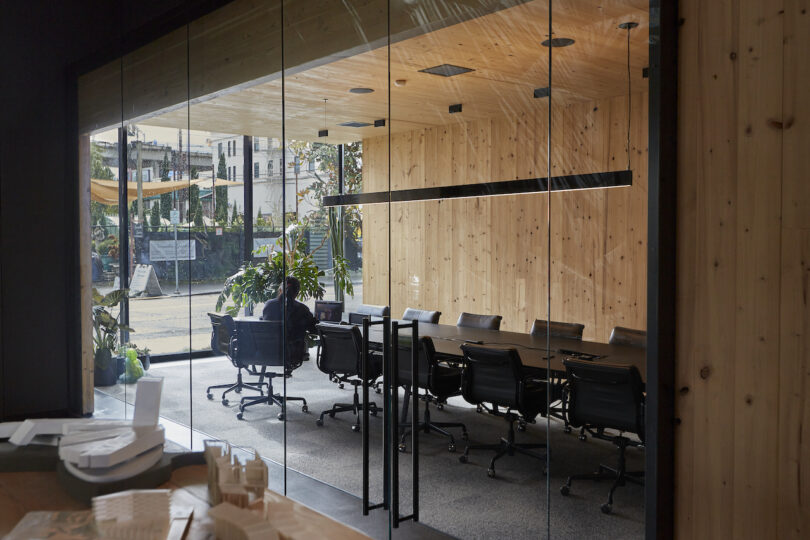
x=490, y=254
x=743, y=336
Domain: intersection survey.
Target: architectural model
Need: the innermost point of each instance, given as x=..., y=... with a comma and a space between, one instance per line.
x=231, y=479
x=134, y=515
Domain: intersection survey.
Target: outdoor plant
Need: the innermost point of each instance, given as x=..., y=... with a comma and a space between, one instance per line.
x=106, y=327
x=257, y=283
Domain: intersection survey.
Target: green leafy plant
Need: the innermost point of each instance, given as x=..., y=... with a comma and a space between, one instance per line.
x=106, y=327
x=257, y=283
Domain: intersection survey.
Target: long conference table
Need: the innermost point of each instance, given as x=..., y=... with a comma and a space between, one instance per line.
x=448, y=339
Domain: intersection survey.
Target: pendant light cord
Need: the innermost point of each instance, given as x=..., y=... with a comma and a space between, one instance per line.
x=629, y=96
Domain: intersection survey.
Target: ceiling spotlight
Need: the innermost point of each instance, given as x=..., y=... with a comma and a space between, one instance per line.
x=455, y=108
x=558, y=42
x=323, y=133
x=542, y=92
x=379, y=123
x=628, y=25
x=361, y=90
x=355, y=124
x=400, y=82
x=446, y=70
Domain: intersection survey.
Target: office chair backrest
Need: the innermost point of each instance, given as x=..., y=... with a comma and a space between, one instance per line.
x=427, y=357
x=627, y=336
x=366, y=310
x=558, y=329
x=341, y=349
x=604, y=395
x=258, y=342
x=491, y=375
x=221, y=332
x=328, y=311
x=486, y=322
x=421, y=315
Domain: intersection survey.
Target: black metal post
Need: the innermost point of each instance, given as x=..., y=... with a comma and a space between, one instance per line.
x=247, y=178
x=123, y=229
x=364, y=376
x=415, y=416
x=387, y=436
x=395, y=423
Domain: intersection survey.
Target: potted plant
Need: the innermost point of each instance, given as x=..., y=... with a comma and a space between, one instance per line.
x=106, y=328
x=255, y=284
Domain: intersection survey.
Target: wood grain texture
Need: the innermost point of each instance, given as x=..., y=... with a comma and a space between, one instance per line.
x=742, y=374
x=490, y=254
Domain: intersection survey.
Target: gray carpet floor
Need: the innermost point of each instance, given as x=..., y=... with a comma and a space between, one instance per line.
x=459, y=499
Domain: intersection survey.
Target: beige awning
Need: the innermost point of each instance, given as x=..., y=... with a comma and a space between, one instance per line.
x=106, y=191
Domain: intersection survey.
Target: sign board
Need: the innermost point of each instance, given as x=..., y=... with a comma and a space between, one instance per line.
x=144, y=281
x=137, y=230
x=163, y=250
x=174, y=217
x=219, y=231
x=259, y=242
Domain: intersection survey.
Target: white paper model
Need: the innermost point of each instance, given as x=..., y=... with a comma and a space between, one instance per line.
x=134, y=515
x=232, y=523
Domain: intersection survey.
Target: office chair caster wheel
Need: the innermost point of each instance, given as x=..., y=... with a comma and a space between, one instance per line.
x=378, y=390
x=607, y=508
x=373, y=412
x=225, y=402
x=567, y=429
x=478, y=409
x=209, y=395
x=304, y=408
x=521, y=427
x=491, y=473
x=340, y=386
x=239, y=416
x=462, y=459
x=355, y=428
x=451, y=447
x=237, y=390
x=583, y=437
x=281, y=416
x=319, y=422
x=565, y=490
x=440, y=406
x=401, y=447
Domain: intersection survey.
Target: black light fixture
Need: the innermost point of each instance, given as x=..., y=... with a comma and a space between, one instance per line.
x=558, y=42
x=355, y=124
x=446, y=70
x=379, y=123
x=542, y=92
x=629, y=25
x=324, y=132
x=455, y=108
x=361, y=90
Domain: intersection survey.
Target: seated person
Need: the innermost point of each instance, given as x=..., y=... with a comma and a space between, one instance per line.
x=299, y=319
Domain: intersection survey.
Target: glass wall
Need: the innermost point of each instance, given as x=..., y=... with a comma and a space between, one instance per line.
x=472, y=173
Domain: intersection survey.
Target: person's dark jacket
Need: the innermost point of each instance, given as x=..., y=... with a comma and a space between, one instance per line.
x=299, y=321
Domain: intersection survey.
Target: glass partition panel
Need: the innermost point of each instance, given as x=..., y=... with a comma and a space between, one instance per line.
x=336, y=144
x=598, y=263
x=469, y=241
x=161, y=161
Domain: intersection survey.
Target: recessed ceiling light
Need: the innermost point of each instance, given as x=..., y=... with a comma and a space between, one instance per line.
x=446, y=70
x=355, y=124
x=361, y=90
x=558, y=42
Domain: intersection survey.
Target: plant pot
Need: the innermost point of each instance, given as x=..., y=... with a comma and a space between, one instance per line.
x=120, y=363
x=146, y=361
x=105, y=369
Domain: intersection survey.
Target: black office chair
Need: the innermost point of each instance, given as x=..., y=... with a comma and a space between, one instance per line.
x=441, y=381
x=557, y=329
x=421, y=315
x=221, y=335
x=627, y=336
x=341, y=355
x=366, y=310
x=486, y=322
x=496, y=376
x=327, y=311
x=605, y=396
x=564, y=330
x=260, y=343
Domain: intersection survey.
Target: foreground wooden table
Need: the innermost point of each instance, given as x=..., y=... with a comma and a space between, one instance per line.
x=25, y=492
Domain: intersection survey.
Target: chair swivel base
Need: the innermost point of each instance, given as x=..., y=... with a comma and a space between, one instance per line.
x=356, y=407
x=435, y=427
x=506, y=446
x=619, y=475
x=238, y=386
x=271, y=399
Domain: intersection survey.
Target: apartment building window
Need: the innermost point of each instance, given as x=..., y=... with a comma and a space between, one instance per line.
x=255, y=170
x=219, y=149
x=310, y=165
x=256, y=144
x=229, y=148
x=270, y=168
